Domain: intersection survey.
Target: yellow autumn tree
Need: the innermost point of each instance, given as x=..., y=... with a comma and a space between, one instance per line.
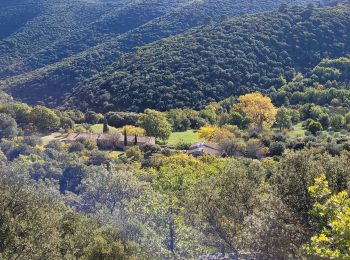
x=215, y=134
x=207, y=132
x=258, y=108
x=133, y=130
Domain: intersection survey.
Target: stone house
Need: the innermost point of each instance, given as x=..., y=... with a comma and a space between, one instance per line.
x=111, y=141
x=201, y=148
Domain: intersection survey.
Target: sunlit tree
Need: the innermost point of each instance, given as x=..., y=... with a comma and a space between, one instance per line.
x=258, y=108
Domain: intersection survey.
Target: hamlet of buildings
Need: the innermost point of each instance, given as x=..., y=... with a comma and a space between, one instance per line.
x=111, y=141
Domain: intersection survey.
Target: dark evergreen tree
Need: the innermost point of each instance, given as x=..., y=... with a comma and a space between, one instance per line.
x=125, y=138
x=135, y=141
x=105, y=126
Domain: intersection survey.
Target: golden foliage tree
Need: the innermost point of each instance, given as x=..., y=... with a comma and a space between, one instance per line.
x=215, y=134
x=258, y=108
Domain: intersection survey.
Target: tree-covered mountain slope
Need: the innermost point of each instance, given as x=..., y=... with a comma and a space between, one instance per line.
x=52, y=21
x=65, y=28
x=15, y=14
x=50, y=83
x=247, y=54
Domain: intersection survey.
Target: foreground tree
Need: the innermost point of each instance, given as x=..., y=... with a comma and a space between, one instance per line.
x=240, y=211
x=333, y=214
x=36, y=224
x=258, y=108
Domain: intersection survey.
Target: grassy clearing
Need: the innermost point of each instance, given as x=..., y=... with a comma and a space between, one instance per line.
x=98, y=129
x=52, y=137
x=188, y=136
x=298, y=131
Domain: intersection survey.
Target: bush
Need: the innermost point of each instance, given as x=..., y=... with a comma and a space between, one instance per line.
x=279, y=137
x=134, y=153
x=67, y=123
x=337, y=122
x=309, y=138
x=277, y=148
x=167, y=152
x=315, y=127
x=255, y=149
x=150, y=148
x=233, y=147
x=237, y=119
x=99, y=158
x=76, y=147
x=334, y=148
x=32, y=140
x=296, y=145
x=183, y=146
x=346, y=146
x=197, y=122
x=8, y=126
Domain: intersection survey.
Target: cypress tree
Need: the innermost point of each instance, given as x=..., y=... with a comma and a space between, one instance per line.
x=135, y=142
x=105, y=126
x=125, y=138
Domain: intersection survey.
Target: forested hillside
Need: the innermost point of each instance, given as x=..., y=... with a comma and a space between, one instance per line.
x=256, y=52
x=49, y=21
x=122, y=29
x=15, y=14
x=71, y=27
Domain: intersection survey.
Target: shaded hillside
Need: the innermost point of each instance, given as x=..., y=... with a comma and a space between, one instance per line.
x=15, y=14
x=83, y=25
x=54, y=21
x=220, y=60
x=49, y=83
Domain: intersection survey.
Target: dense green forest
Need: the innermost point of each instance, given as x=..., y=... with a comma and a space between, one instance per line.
x=252, y=53
x=326, y=84
x=71, y=27
x=118, y=31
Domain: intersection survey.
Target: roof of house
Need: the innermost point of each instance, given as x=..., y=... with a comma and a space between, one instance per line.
x=140, y=139
x=206, y=147
x=108, y=136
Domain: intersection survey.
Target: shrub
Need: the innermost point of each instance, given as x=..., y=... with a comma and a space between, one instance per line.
x=76, y=147
x=315, y=127
x=337, y=122
x=99, y=158
x=277, y=148
x=255, y=149
x=150, y=148
x=167, y=151
x=32, y=140
x=333, y=148
x=233, y=147
x=183, y=146
x=8, y=126
x=279, y=137
x=134, y=153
